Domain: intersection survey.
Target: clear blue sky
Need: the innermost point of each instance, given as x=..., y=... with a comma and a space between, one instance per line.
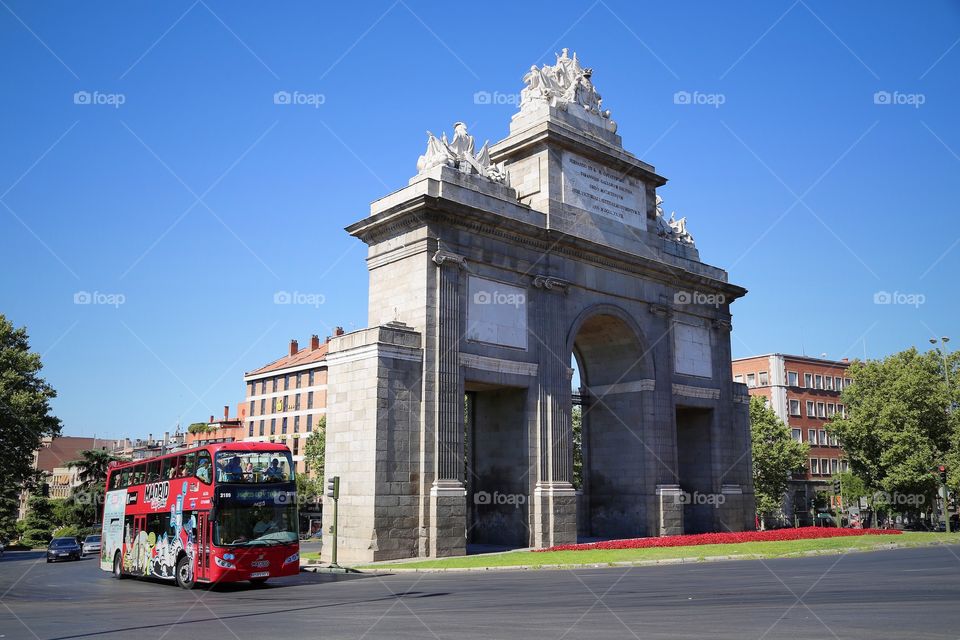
x=199, y=198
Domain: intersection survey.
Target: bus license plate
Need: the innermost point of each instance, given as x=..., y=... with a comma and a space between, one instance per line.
x=260, y=574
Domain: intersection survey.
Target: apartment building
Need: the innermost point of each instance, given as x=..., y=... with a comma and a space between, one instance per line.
x=287, y=398
x=804, y=392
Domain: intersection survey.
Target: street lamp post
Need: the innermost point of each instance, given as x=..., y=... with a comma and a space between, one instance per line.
x=946, y=378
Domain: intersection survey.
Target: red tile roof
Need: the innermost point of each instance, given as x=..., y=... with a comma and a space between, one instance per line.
x=301, y=357
x=66, y=449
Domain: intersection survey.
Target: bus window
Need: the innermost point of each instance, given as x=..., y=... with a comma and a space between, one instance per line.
x=153, y=471
x=204, y=467
x=125, y=479
x=189, y=464
x=165, y=466
x=114, y=481
x=138, y=473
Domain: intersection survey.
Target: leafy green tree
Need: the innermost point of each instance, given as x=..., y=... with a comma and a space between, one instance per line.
x=775, y=456
x=87, y=499
x=25, y=417
x=576, y=418
x=199, y=427
x=898, y=426
x=9, y=511
x=39, y=522
x=315, y=450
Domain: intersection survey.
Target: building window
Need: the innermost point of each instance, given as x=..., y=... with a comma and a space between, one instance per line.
x=296, y=401
x=263, y=386
x=309, y=422
x=844, y=465
x=296, y=424
x=828, y=383
x=283, y=426
x=833, y=441
x=842, y=410
x=795, y=407
x=251, y=407
x=814, y=467
x=310, y=400
x=296, y=446
x=738, y=377
x=273, y=426
x=831, y=409
x=808, y=380
x=274, y=385
x=298, y=380
x=812, y=436
x=823, y=438
x=251, y=388
x=751, y=379
x=818, y=382
x=764, y=379
x=838, y=383
x=796, y=433
x=263, y=406
x=793, y=379
x=261, y=427
x=310, y=378
x=824, y=466
x=821, y=410
x=810, y=413
x=251, y=429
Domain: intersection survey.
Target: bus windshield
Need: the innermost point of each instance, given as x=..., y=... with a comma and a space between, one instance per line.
x=254, y=466
x=256, y=517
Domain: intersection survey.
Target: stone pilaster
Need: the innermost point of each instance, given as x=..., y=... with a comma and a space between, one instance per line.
x=448, y=509
x=554, y=512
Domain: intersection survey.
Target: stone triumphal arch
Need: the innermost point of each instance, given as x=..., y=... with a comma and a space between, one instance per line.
x=449, y=418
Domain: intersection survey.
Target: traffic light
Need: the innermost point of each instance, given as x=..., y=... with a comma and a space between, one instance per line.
x=836, y=485
x=943, y=473
x=333, y=487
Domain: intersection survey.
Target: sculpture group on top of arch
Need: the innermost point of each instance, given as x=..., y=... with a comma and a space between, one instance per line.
x=563, y=85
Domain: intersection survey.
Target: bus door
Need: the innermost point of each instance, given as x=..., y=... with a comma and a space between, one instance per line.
x=203, y=546
x=140, y=562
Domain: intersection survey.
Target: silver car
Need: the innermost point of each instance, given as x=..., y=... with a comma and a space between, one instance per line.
x=91, y=544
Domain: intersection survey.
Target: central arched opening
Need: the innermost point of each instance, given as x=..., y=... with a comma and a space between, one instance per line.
x=611, y=371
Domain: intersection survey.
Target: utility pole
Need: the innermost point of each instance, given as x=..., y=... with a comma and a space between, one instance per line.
x=946, y=378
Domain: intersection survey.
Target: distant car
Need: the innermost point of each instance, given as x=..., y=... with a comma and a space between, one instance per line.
x=91, y=544
x=63, y=549
x=824, y=520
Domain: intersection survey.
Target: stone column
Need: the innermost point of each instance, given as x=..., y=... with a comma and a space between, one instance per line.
x=448, y=507
x=554, y=512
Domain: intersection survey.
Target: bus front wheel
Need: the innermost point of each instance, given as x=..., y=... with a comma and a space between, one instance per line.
x=117, y=566
x=184, y=578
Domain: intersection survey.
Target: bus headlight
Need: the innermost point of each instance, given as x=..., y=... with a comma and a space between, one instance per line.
x=223, y=564
x=294, y=558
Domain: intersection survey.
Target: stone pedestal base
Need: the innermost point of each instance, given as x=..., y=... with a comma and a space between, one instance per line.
x=732, y=516
x=671, y=509
x=554, y=511
x=448, y=515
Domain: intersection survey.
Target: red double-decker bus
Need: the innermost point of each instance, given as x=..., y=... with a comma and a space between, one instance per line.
x=217, y=513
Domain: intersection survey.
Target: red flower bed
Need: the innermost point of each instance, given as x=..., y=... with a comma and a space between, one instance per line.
x=724, y=538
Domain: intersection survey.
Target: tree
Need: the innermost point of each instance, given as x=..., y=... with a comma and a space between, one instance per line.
x=9, y=510
x=39, y=522
x=775, y=456
x=199, y=427
x=87, y=498
x=576, y=418
x=898, y=426
x=25, y=418
x=315, y=450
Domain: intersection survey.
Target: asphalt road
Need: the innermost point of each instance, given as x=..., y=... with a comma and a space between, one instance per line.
x=911, y=593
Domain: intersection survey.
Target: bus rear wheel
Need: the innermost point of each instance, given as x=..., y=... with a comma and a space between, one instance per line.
x=183, y=573
x=117, y=566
